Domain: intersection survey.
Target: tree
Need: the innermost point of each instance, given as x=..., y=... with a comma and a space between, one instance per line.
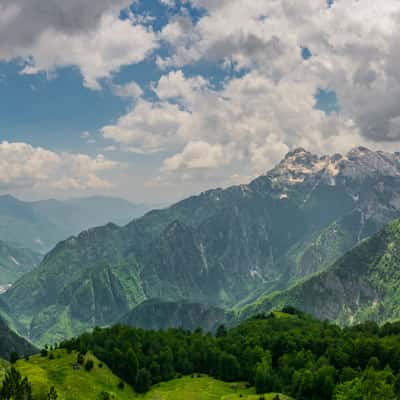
x=14, y=357
x=264, y=375
x=52, y=395
x=374, y=385
x=80, y=359
x=221, y=331
x=143, y=381
x=350, y=390
x=89, y=365
x=228, y=367
x=378, y=385
x=24, y=391
x=132, y=366
x=166, y=361
x=14, y=387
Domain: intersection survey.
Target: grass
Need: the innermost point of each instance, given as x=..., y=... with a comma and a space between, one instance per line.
x=70, y=383
x=197, y=388
x=270, y=396
x=78, y=384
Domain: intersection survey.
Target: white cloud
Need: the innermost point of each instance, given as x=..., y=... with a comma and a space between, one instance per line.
x=255, y=118
x=148, y=127
x=176, y=85
x=23, y=166
x=354, y=45
x=89, y=35
x=247, y=125
x=131, y=89
x=198, y=155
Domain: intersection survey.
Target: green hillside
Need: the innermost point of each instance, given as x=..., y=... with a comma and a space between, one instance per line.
x=59, y=372
x=78, y=384
x=362, y=285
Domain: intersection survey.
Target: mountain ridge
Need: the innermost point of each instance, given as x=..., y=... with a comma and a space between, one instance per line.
x=221, y=248
x=39, y=225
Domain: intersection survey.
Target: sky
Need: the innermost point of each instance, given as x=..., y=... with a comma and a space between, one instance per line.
x=155, y=100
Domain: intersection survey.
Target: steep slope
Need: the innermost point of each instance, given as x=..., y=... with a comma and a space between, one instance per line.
x=40, y=225
x=14, y=262
x=10, y=342
x=156, y=314
x=363, y=285
x=223, y=247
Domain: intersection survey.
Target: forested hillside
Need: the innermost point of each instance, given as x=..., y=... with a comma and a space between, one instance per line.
x=286, y=352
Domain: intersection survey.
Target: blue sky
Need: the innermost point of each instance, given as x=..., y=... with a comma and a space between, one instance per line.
x=203, y=104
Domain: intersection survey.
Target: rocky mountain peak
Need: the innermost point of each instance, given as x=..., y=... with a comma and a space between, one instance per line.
x=300, y=165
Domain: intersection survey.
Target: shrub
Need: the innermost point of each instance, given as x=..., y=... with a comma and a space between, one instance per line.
x=80, y=359
x=14, y=357
x=89, y=365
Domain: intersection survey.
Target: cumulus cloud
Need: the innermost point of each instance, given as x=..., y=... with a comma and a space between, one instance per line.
x=89, y=35
x=131, y=90
x=267, y=106
x=23, y=166
x=198, y=155
x=149, y=127
x=354, y=46
x=248, y=124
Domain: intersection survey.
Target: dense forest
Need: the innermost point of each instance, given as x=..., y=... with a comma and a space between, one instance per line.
x=287, y=352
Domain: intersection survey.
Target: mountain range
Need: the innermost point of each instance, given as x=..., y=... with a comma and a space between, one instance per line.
x=226, y=248
x=40, y=225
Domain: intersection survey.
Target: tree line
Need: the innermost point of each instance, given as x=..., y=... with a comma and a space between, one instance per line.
x=287, y=352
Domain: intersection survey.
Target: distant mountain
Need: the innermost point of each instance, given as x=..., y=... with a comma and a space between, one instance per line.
x=223, y=248
x=363, y=285
x=14, y=262
x=157, y=314
x=40, y=225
